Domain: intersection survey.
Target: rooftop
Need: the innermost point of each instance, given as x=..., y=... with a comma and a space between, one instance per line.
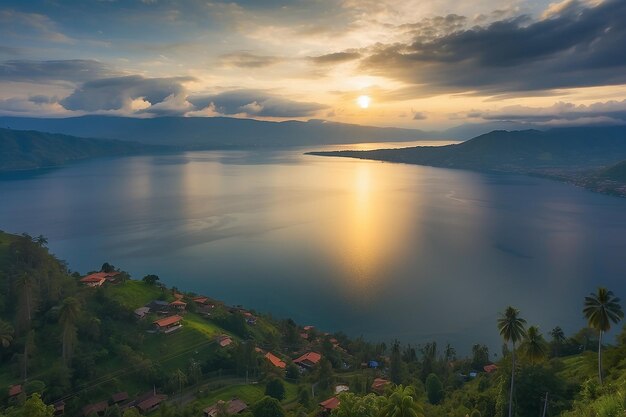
x=168, y=321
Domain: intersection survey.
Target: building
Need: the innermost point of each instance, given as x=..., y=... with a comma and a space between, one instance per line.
x=329, y=405
x=159, y=306
x=341, y=388
x=274, y=360
x=59, y=408
x=234, y=406
x=151, y=403
x=119, y=397
x=224, y=340
x=178, y=305
x=308, y=360
x=168, y=324
x=142, y=312
x=15, y=390
x=98, y=278
x=490, y=368
x=379, y=385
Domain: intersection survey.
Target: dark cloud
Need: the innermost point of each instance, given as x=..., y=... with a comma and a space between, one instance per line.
x=9, y=51
x=335, y=58
x=255, y=103
x=248, y=60
x=574, y=47
x=561, y=111
x=74, y=70
x=419, y=115
x=117, y=93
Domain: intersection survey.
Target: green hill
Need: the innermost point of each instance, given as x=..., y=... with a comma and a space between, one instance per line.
x=27, y=149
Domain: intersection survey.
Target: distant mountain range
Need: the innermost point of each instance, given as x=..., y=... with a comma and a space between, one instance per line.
x=215, y=132
x=578, y=155
x=21, y=150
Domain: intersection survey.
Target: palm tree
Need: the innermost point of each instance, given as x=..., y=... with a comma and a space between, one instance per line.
x=401, y=403
x=180, y=379
x=558, y=338
x=511, y=328
x=6, y=334
x=26, y=286
x=534, y=346
x=600, y=310
x=68, y=315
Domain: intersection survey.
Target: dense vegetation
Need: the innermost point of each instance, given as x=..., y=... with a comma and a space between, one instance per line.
x=62, y=340
x=30, y=149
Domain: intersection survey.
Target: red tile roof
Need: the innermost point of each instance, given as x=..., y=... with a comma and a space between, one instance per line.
x=119, y=397
x=379, y=384
x=330, y=404
x=224, y=341
x=201, y=300
x=178, y=303
x=312, y=357
x=98, y=276
x=490, y=368
x=275, y=361
x=307, y=328
x=168, y=321
x=15, y=390
x=95, y=408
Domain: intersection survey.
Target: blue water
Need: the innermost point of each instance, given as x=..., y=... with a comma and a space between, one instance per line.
x=375, y=249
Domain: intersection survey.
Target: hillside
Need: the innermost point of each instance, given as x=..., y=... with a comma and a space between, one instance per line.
x=214, y=132
x=20, y=150
x=89, y=351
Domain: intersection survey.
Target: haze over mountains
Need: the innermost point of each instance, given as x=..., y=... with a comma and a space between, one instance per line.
x=215, y=132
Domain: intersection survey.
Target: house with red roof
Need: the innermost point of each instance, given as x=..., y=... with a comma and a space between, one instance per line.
x=275, y=360
x=98, y=409
x=168, y=324
x=490, y=368
x=379, y=385
x=98, y=278
x=151, y=403
x=178, y=305
x=308, y=360
x=234, y=406
x=14, y=390
x=329, y=405
x=224, y=340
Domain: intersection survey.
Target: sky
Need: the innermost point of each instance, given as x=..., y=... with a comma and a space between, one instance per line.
x=427, y=64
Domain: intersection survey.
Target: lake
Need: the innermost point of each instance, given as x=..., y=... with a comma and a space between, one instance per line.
x=375, y=249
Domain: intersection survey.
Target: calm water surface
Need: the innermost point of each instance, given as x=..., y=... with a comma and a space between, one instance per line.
x=378, y=249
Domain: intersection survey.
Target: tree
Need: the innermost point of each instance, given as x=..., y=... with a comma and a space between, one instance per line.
x=395, y=367
x=434, y=389
x=6, y=334
x=600, y=310
x=480, y=356
x=268, y=407
x=107, y=267
x=351, y=405
x=179, y=378
x=511, y=328
x=68, y=315
x=325, y=374
x=558, y=338
x=131, y=412
x=35, y=407
x=534, y=346
x=401, y=403
x=150, y=279
x=25, y=284
x=41, y=240
x=275, y=389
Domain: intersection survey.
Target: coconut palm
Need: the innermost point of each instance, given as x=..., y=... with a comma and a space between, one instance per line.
x=401, y=403
x=600, y=310
x=534, y=346
x=511, y=328
x=558, y=338
x=6, y=334
x=68, y=315
x=25, y=284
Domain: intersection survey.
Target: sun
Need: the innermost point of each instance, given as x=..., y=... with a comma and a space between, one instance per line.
x=363, y=101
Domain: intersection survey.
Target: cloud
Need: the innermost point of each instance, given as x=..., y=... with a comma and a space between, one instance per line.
x=74, y=70
x=559, y=113
x=575, y=47
x=122, y=92
x=335, y=58
x=255, y=103
x=418, y=115
x=19, y=24
x=246, y=59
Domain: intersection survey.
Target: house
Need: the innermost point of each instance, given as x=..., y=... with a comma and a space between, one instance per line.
x=490, y=368
x=161, y=307
x=98, y=278
x=329, y=405
x=379, y=385
x=274, y=360
x=178, y=296
x=15, y=390
x=373, y=364
x=119, y=397
x=308, y=360
x=308, y=328
x=200, y=300
x=151, y=403
x=341, y=388
x=59, y=408
x=96, y=408
x=178, y=305
x=168, y=324
x=234, y=406
x=142, y=312
x=224, y=340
